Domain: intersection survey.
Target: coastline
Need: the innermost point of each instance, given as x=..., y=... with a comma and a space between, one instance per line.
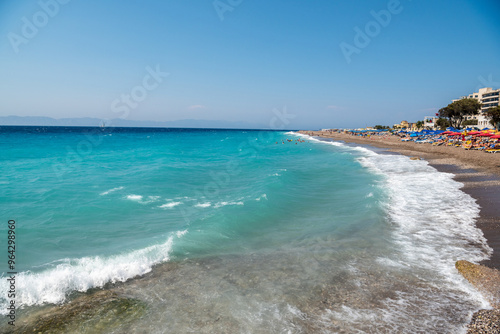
x=478, y=171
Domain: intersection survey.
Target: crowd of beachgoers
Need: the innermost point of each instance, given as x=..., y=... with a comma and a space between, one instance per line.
x=483, y=140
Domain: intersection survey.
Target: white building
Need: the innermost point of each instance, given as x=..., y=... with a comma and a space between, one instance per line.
x=489, y=98
x=430, y=122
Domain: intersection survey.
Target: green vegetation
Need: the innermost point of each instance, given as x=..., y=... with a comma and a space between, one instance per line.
x=442, y=123
x=469, y=122
x=494, y=115
x=456, y=111
x=419, y=124
x=381, y=127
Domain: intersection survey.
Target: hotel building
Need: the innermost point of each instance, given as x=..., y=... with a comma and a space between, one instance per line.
x=489, y=98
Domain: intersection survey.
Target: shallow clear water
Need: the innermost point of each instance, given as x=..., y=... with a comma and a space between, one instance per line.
x=240, y=231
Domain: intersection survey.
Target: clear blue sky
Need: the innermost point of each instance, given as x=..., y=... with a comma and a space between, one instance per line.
x=262, y=55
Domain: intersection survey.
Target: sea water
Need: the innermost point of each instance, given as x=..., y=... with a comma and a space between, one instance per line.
x=237, y=231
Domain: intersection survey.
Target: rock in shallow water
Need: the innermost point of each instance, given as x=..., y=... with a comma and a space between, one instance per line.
x=486, y=280
x=100, y=312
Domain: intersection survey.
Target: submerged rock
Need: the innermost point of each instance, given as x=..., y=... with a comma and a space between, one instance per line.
x=100, y=312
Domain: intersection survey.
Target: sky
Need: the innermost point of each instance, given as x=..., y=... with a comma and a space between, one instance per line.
x=322, y=64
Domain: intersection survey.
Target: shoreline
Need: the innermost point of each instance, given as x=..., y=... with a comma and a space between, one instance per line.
x=478, y=171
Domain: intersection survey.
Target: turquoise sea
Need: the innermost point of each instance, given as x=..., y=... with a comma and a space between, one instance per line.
x=237, y=231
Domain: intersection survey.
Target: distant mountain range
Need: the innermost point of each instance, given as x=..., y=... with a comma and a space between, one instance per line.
x=118, y=122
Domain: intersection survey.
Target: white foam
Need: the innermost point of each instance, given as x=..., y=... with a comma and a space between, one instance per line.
x=143, y=200
x=390, y=262
x=110, y=191
x=263, y=196
x=170, y=205
x=53, y=285
x=400, y=313
x=350, y=314
x=332, y=143
x=136, y=198
x=275, y=318
x=427, y=206
x=433, y=224
x=434, y=221
x=221, y=204
x=203, y=205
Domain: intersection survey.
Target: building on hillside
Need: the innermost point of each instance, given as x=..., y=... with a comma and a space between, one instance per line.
x=489, y=98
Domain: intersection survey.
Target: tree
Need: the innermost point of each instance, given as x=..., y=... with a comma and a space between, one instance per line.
x=419, y=124
x=469, y=122
x=456, y=111
x=442, y=123
x=494, y=115
x=381, y=127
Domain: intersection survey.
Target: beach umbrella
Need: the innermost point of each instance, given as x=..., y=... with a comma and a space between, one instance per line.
x=495, y=137
x=484, y=135
x=474, y=132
